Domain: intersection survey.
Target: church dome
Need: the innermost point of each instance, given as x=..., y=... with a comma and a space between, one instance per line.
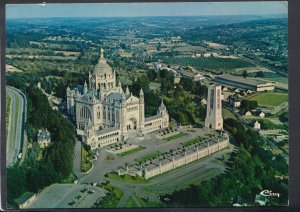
x=102, y=67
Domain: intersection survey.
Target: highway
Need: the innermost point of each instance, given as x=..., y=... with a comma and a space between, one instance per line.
x=16, y=126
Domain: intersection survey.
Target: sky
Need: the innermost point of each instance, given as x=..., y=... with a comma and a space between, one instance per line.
x=145, y=9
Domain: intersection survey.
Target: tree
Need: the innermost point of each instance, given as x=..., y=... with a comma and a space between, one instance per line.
x=152, y=75
x=245, y=74
x=141, y=82
x=260, y=74
x=248, y=104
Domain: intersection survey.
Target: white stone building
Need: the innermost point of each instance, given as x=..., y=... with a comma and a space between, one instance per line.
x=198, y=77
x=256, y=125
x=105, y=114
x=214, y=117
x=262, y=115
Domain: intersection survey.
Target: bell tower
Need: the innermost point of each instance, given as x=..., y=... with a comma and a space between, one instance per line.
x=214, y=117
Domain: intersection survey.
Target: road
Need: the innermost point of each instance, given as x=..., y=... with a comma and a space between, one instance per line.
x=16, y=126
x=151, y=143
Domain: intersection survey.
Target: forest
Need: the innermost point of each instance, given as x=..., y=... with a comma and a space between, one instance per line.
x=56, y=161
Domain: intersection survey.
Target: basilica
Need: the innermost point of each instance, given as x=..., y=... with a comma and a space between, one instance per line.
x=104, y=114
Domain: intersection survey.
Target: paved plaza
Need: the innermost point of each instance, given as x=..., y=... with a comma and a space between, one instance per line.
x=152, y=144
x=61, y=195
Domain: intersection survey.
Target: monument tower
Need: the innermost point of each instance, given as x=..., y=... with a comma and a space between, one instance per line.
x=214, y=117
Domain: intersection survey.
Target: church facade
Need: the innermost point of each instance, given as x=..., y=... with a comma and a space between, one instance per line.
x=104, y=114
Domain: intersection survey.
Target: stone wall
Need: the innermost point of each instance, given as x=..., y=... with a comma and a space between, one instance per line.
x=188, y=158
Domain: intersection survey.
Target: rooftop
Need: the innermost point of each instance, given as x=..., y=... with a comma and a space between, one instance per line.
x=238, y=79
x=153, y=117
x=43, y=134
x=114, y=96
x=106, y=130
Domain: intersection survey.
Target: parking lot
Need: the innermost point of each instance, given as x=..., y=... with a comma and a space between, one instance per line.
x=68, y=196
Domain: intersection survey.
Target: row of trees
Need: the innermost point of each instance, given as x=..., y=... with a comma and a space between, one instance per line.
x=214, y=64
x=250, y=171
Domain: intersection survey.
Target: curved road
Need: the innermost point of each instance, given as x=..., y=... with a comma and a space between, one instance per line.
x=15, y=131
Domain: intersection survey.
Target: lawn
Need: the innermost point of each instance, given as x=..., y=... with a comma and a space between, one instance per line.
x=181, y=134
x=140, y=148
x=193, y=141
x=227, y=114
x=16, y=117
x=7, y=112
x=277, y=152
x=70, y=179
x=267, y=125
x=269, y=98
x=112, y=199
x=126, y=178
x=276, y=77
x=149, y=157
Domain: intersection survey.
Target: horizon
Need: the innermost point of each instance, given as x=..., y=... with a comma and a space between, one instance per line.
x=126, y=10
x=187, y=16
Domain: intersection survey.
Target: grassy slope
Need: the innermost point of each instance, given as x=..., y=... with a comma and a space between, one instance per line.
x=269, y=98
x=8, y=100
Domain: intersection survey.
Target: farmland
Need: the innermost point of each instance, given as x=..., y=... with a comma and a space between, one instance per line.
x=269, y=98
x=211, y=64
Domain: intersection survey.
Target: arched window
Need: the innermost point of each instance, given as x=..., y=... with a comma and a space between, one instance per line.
x=85, y=113
x=104, y=113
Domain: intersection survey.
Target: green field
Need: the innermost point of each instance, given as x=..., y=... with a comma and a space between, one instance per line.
x=181, y=134
x=211, y=63
x=269, y=98
x=112, y=199
x=267, y=125
x=227, y=113
x=273, y=76
x=140, y=148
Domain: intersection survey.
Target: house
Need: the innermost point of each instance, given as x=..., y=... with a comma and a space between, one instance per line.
x=26, y=199
x=248, y=113
x=261, y=200
x=243, y=93
x=43, y=138
x=236, y=90
x=207, y=55
x=256, y=125
x=198, y=77
x=203, y=101
x=234, y=101
x=177, y=78
x=249, y=91
x=262, y=115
